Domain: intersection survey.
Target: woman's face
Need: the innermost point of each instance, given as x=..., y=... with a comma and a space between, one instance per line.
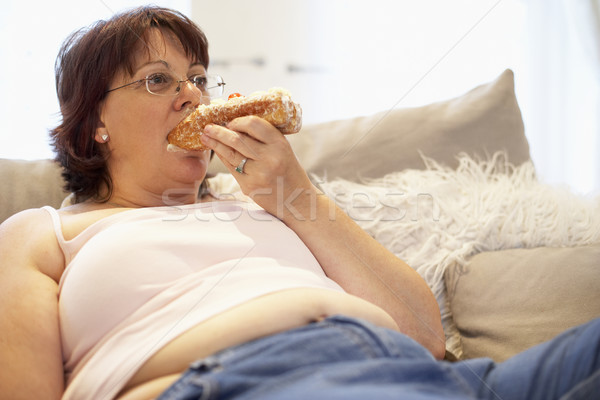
x=138, y=122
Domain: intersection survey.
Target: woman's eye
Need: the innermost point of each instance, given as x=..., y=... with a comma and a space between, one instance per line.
x=158, y=79
x=199, y=81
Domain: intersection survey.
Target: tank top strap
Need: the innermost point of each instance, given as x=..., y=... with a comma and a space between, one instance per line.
x=58, y=229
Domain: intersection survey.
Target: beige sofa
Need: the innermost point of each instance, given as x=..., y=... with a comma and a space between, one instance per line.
x=500, y=292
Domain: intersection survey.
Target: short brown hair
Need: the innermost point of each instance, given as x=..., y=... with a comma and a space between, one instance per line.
x=86, y=64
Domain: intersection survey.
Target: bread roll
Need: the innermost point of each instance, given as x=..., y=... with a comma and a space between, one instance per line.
x=275, y=106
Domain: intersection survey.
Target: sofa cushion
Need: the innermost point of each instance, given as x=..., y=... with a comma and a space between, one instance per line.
x=479, y=123
x=29, y=184
x=506, y=301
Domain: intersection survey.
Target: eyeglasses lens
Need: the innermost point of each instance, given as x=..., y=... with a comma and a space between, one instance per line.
x=164, y=84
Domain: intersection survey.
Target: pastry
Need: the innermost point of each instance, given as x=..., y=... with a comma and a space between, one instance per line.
x=275, y=106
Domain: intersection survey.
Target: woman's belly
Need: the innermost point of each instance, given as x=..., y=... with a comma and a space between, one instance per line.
x=263, y=316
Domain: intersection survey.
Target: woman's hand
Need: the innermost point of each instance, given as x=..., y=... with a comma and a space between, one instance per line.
x=272, y=175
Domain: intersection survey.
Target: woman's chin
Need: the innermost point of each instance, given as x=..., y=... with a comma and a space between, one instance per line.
x=194, y=167
x=189, y=165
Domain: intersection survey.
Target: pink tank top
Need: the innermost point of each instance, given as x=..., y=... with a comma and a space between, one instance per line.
x=137, y=279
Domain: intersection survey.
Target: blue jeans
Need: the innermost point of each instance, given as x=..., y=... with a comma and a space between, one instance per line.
x=345, y=358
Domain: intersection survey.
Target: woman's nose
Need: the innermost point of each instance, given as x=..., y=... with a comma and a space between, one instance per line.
x=190, y=96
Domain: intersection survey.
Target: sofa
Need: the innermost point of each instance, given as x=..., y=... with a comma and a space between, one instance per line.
x=450, y=188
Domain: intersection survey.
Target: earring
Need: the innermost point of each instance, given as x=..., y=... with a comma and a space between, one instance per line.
x=105, y=137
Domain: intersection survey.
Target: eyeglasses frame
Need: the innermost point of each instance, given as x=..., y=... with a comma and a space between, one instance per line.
x=177, y=91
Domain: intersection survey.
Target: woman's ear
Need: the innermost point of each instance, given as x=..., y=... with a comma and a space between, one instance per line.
x=101, y=135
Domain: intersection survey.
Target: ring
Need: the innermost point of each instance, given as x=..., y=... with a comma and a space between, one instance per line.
x=240, y=168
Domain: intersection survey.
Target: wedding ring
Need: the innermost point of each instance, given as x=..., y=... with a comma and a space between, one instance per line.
x=240, y=168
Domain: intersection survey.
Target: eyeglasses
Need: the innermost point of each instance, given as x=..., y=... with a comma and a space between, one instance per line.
x=164, y=84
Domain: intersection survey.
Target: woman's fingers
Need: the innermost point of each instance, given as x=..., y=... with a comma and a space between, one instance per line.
x=248, y=137
x=256, y=127
x=230, y=145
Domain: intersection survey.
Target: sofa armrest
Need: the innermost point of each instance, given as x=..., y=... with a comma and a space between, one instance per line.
x=29, y=184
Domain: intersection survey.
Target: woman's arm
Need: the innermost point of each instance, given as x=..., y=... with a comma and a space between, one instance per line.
x=365, y=268
x=29, y=337
x=348, y=255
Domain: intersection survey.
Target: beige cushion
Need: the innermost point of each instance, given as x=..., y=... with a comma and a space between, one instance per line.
x=484, y=120
x=29, y=184
x=506, y=301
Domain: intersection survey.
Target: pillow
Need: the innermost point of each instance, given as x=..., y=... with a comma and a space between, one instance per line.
x=479, y=123
x=29, y=184
x=504, y=302
x=438, y=217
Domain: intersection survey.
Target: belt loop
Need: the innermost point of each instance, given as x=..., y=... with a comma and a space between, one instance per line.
x=205, y=364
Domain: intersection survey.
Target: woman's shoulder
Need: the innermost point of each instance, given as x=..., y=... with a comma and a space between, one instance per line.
x=23, y=222
x=28, y=239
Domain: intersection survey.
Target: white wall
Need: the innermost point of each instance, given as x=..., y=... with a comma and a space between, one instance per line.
x=561, y=99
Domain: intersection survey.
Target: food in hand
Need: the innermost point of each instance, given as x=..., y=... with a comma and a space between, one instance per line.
x=275, y=106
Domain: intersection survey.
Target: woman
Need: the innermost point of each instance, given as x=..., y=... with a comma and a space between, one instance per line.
x=141, y=277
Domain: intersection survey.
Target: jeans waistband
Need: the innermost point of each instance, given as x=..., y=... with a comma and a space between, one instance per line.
x=263, y=363
x=335, y=337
